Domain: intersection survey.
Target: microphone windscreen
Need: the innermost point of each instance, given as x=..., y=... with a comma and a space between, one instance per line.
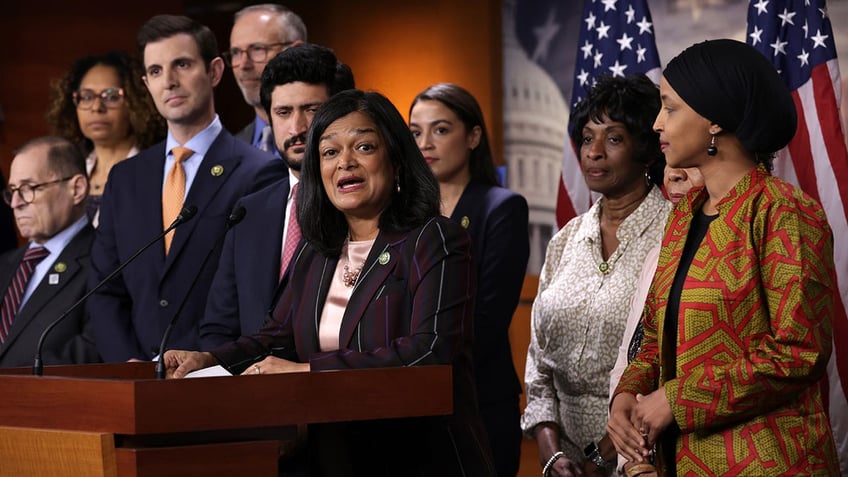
x=236, y=216
x=187, y=213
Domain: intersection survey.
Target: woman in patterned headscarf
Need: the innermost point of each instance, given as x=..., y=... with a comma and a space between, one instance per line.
x=737, y=326
x=589, y=276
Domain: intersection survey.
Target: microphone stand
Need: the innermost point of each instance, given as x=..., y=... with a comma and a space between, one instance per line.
x=37, y=366
x=235, y=217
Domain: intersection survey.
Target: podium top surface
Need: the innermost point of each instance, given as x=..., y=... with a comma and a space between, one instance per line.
x=126, y=399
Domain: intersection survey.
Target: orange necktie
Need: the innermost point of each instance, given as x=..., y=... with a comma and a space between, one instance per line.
x=174, y=192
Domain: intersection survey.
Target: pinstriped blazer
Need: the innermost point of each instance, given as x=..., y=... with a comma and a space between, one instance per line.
x=412, y=305
x=72, y=341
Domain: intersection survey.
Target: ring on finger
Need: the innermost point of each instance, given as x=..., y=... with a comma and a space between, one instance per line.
x=258, y=370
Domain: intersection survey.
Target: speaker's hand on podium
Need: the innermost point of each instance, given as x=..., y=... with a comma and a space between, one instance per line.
x=178, y=363
x=274, y=365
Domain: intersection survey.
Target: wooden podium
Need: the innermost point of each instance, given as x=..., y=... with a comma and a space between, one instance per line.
x=116, y=420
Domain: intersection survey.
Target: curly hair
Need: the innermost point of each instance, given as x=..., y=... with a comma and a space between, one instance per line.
x=633, y=101
x=146, y=124
x=307, y=63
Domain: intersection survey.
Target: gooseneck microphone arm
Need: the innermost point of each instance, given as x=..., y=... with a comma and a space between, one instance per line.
x=185, y=215
x=235, y=217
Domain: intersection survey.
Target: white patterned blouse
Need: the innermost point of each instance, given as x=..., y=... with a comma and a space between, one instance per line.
x=578, y=319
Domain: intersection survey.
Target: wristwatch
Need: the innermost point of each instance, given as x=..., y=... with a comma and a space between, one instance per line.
x=594, y=455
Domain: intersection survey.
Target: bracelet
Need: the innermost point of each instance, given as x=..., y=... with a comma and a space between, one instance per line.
x=638, y=469
x=546, y=470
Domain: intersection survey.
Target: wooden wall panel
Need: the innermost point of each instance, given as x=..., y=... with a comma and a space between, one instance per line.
x=400, y=48
x=41, y=38
x=397, y=48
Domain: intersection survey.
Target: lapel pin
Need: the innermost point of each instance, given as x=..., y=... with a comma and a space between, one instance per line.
x=53, y=279
x=217, y=170
x=60, y=267
x=465, y=221
x=384, y=258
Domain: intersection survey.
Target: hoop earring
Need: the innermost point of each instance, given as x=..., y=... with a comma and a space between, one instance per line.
x=712, y=150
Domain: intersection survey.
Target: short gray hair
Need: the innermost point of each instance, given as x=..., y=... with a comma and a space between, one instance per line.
x=63, y=157
x=292, y=23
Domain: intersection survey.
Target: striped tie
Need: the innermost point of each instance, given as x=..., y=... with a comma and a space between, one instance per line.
x=265, y=139
x=292, y=235
x=174, y=192
x=15, y=293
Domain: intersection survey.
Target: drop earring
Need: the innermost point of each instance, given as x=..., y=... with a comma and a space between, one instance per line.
x=712, y=150
x=397, y=184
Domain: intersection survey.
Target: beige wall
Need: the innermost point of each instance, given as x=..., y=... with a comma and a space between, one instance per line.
x=40, y=39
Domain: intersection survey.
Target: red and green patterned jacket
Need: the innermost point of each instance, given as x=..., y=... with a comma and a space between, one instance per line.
x=754, y=334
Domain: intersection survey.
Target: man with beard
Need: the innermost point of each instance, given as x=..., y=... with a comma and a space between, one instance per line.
x=256, y=252
x=259, y=33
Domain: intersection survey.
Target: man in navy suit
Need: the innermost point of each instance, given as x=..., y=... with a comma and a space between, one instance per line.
x=131, y=312
x=47, y=190
x=259, y=33
x=294, y=85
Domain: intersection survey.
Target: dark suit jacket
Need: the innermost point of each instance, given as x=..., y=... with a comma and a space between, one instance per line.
x=412, y=306
x=8, y=233
x=497, y=220
x=72, y=340
x=130, y=313
x=246, y=134
x=249, y=268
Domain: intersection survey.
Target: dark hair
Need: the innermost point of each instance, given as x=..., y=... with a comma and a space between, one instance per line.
x=308, y=63
x=734, y=85
x=146, y=124
x=63, y=157
x=417, y=199
x=633, y=101
x=466, y=108
x=292, y=24
x=161, y=27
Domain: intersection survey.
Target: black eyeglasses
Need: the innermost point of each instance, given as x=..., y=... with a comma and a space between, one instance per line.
x=110, y=97
x=257, y=52
x=26, y=192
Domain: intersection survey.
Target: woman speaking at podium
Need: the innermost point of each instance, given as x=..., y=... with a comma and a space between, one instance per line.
x=380, y=279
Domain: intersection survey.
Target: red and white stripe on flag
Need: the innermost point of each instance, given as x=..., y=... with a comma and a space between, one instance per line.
x=796, y=35
x=617, y=39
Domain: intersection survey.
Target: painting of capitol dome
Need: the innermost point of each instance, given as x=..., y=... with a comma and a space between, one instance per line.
x=535, y=130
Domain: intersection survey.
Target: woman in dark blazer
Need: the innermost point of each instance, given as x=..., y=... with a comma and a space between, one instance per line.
x=379, y=280
x=448, y=126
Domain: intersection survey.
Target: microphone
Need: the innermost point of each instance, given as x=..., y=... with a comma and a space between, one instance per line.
x=236, y=216
x=185, y=215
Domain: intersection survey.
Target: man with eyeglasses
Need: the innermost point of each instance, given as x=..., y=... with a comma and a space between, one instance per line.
x=259, y=33
x=47, y=191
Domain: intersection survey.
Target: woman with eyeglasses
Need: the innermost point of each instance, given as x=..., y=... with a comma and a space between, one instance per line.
x=102, y=106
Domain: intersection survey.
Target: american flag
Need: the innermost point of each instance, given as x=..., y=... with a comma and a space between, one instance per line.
x=616, y=38
x=797, y=37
